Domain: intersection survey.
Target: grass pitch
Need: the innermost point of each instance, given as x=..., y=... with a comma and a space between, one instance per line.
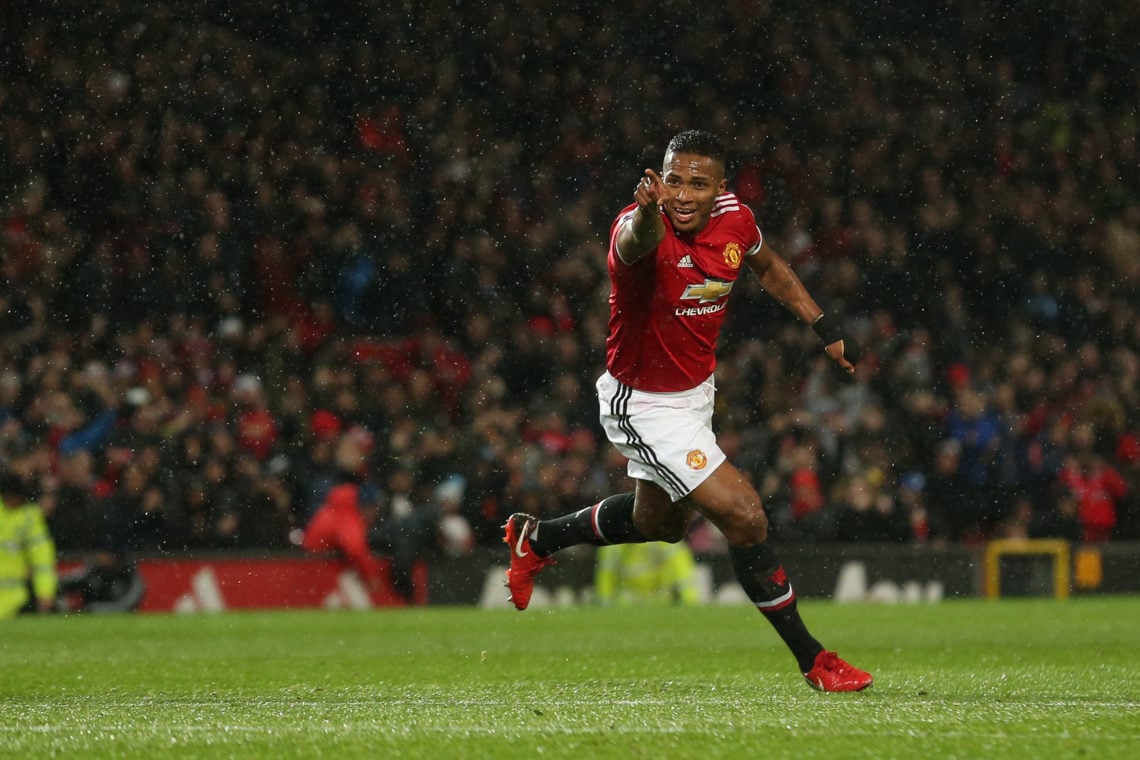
x=964, y=679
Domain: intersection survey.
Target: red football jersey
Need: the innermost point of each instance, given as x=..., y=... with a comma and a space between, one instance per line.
x=666, y=310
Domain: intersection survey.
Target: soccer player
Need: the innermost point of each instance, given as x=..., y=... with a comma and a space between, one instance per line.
x=674, y=256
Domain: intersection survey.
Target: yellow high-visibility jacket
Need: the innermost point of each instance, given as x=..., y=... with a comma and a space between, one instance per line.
x=649, y=572
x=27, y=552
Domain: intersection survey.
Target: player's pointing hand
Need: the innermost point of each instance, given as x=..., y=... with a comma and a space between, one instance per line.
x=650, y=191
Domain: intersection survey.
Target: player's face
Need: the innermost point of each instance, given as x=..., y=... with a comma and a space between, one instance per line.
x=694, y=182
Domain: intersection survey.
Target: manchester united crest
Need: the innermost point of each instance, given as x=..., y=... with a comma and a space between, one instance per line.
x=696, y=459
x=733, y=255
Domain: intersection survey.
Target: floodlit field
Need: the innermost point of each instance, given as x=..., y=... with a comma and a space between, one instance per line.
x=965, y=679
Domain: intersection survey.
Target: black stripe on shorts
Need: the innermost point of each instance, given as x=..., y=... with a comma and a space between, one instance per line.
x=619, y=408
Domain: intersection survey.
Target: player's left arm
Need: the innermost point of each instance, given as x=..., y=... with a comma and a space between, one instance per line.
x=782, y=283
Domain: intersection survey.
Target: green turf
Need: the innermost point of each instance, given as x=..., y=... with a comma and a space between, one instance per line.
x=965, y=679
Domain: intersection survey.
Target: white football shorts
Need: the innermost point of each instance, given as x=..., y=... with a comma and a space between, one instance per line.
x=667, y=437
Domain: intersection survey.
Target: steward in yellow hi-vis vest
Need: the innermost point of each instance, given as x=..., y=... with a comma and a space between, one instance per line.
x=27, y=552
x=649, y=572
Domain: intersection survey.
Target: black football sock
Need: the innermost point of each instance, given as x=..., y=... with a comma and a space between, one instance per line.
x=610, y=521
x=763, y=579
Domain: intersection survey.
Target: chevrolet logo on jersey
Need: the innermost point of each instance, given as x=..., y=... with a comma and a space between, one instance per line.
x=707, y=291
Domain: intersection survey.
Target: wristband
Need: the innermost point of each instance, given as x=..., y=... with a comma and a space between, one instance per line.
x=829, y=331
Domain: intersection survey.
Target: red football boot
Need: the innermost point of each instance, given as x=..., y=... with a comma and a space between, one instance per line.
x=525, y=564
x=830, y=673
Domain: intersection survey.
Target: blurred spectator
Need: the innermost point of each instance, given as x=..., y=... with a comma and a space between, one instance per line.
x=69, y=501
x=142, y=511
x=28, y=580
x=348, y=511
x=956, y=509
x=356, y=516
x=256, y=430
x=1058, y=518
x=1128, y=455
x=867, y=513
x=912, y=504
x=807, y=503
x=976, y=430
x=646, y=573
x=455, y=535
x=341, y=526
x=107, y=582
x=407, y=529
x=1097, y=488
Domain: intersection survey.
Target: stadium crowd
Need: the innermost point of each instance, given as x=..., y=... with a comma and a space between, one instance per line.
x=233, y=235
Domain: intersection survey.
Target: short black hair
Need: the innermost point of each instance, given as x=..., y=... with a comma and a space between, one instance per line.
x=700, y=143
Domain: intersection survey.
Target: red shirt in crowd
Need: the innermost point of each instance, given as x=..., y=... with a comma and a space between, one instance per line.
x=1097, y=490
x=338, y=526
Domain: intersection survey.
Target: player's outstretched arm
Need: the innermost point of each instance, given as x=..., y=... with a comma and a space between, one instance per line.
x=645, y=231
x=778, y=279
